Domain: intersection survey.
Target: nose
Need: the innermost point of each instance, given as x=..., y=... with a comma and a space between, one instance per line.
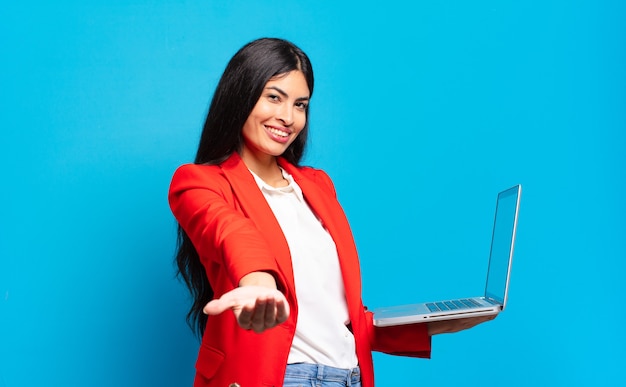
x=285, y=114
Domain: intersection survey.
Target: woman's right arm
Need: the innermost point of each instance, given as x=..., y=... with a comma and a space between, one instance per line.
x=202, y=202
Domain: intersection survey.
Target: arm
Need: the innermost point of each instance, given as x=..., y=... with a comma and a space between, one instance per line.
x=230, y=247
x=401, y=340
x=452, y=326
x=227, y=242
x=414, y=340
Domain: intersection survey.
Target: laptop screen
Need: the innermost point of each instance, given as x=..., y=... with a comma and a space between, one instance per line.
x=502, y=242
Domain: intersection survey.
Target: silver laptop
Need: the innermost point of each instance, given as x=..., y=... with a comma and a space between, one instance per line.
x=498, y=273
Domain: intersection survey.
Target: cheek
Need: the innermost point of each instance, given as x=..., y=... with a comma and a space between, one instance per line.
x=263, y=111
x=248, y=128
x=255, y=119
x=300, y=121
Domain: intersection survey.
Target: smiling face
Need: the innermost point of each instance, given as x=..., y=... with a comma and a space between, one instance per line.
x=276, y=120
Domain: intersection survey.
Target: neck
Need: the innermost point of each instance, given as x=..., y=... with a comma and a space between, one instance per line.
x=266, y=168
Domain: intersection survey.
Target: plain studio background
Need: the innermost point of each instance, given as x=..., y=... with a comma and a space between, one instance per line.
x=422, y=112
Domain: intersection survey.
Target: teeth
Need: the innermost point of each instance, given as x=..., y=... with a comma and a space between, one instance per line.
x=278, y=132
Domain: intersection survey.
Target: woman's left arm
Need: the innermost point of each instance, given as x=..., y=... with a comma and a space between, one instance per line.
x=401, y=340
x=414, y=340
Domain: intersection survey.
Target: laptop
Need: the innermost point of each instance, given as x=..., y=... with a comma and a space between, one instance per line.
x=498, y=274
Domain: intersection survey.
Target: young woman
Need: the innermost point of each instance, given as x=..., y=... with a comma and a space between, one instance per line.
x=265, y=247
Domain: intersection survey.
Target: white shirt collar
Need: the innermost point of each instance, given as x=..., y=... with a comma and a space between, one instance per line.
x=291, y=188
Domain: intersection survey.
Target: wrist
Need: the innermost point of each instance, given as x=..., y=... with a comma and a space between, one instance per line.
x=258, y=278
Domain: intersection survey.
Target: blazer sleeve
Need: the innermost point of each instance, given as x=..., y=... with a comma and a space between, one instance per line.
x=202, y=202
x=410, y=340
x=403, y=340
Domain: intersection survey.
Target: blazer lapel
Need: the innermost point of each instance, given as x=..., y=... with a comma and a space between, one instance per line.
x=255, y=207
x=330, y=213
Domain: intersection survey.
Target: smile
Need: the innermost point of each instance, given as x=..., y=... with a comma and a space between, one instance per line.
x=277, y=132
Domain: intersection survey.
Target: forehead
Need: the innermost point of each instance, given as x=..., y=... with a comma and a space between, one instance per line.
x=292, y=83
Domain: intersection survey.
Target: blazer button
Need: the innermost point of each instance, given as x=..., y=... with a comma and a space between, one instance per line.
x=234, y=385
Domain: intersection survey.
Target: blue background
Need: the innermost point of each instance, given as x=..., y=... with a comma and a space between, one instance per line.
x=422, y=112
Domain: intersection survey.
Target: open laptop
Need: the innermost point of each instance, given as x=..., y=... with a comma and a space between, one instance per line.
x=498, y=273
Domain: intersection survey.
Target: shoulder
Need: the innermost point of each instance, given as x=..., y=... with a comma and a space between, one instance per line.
x=189, y=176
x=195, y=170
x=317, y=176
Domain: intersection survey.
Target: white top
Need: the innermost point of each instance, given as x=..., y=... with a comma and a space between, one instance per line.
x=321, y=333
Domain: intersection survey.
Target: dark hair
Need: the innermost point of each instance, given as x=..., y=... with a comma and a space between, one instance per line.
x=237, y=93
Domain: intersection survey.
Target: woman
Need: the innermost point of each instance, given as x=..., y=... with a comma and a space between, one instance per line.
x=268, y=240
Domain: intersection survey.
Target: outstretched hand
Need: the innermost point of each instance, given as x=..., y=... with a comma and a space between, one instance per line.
x=256, y=308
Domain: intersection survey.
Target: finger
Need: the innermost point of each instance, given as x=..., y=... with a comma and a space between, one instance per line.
x=282, y=311
x=244, y=316
x=258, y=317
x=270, y=312
x=218, y=306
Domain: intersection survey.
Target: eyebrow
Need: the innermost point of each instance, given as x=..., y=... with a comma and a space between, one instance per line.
x=284, y=94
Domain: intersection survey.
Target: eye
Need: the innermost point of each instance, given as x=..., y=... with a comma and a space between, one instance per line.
x=273, y=97
x=302, y=105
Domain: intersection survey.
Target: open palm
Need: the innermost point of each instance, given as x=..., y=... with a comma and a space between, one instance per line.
x=255, y=307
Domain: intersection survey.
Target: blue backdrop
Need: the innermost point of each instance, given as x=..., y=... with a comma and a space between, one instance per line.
x=422, y=112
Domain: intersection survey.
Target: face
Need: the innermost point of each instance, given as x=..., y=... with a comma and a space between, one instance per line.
x=277, y=118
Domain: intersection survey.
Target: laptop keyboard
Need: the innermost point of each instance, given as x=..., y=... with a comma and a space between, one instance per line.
x=465, y=303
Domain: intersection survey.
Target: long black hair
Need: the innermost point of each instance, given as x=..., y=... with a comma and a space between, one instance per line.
x=236, y=94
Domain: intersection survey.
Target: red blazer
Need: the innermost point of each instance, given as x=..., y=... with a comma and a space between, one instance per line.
x=235, y=233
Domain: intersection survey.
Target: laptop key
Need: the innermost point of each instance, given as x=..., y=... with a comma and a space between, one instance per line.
x=459, y=304
x=467, y=303
x=472, y=302
x=432, y=307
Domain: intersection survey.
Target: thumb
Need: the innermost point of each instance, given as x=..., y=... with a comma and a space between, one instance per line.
x=216, y=307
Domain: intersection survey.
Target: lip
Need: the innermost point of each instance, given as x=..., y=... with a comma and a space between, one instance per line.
x=269, y=129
